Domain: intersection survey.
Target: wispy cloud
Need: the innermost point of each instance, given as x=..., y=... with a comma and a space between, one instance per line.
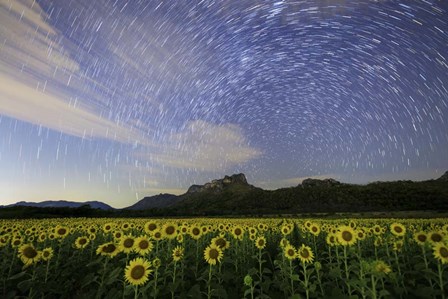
x=32, y=52
x=22, y=102
x=204, y=146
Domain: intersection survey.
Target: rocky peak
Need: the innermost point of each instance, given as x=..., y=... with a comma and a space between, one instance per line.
x=221, y=184
x=317, y=182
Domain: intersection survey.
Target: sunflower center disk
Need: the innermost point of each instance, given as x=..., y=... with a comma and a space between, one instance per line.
x=347, y=236
x=214, y=254
x=444, y=252
x=30, y=252
x=128, y=243
x=138, y=272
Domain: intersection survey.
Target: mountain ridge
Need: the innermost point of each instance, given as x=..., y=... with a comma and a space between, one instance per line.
x=62, y=204
x=234, y=192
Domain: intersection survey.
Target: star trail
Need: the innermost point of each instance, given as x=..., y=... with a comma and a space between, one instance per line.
x=117, y=100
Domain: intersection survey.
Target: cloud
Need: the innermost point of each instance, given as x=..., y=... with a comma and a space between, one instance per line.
x=30, y=44
x=204, y=146
x=18, y=100
x=35, y=74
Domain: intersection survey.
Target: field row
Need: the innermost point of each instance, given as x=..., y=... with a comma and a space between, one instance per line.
x=224, y=258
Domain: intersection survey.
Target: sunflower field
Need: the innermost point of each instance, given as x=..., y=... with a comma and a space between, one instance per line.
x=224, y=258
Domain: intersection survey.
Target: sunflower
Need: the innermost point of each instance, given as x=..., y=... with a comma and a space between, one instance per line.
x=260, y=242
x=435, y=237
x=381, y=268
x=127, y=244
x=180, y=238
x=397, y=246
x=252, y=230
x=137, y=272
x=82, y=242
x=238, y=232
x=28, y=254
x=360, y=234
x=305, y=254
x=118, y=234
x=205, y=229
x=307, y=224
x=315, y=229
x=61, y=231
x=284, y=242
x=125, y=226
x=46, y=254
x=252, y=237
x=169, y=230
x=108, y=249
x=178, y=253
x=156, y=262
x=92, y=229
x=441, y=252
x=290, y=252
x=221, y=242
x=42, y=237
x=331, y=239
x=213, y=254
x=346, y=235
x=377, y=230
x=3, y=241
x=378, y=242
x=286, y=230
x=142, y=245
x=108, y=227
x=157, y=235
x=184, y=229
x=150, y=227
x=16, y=242
x=398, y=229
x=420, y=237
x=195, y=232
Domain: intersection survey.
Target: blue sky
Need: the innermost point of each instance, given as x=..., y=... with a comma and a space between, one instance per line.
x=115, y=100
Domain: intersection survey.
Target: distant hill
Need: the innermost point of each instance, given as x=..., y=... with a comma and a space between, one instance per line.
x=62, y=204
x=234, y=184
x=233, y=195
x=444, y=177
x=156, y=201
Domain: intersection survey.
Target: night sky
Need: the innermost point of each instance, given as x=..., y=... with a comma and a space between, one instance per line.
x=117, y=100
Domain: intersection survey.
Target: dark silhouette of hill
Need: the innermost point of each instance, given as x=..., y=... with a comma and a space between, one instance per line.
x=233, y=195
x=156, y=201
x=62, y=204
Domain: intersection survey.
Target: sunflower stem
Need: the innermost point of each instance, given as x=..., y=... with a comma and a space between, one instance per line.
x=347, y=274
x=307, y=291
x=373, y=287
x=440, y=270
x=290, y=275
x=46, y=271
x=98, y=295
x=136, y=292
x=320, y=283
x=260, y=271
x=155, y=282
x=426, y=264
x=209, y=290
x=30, y=294
x=174, y=280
